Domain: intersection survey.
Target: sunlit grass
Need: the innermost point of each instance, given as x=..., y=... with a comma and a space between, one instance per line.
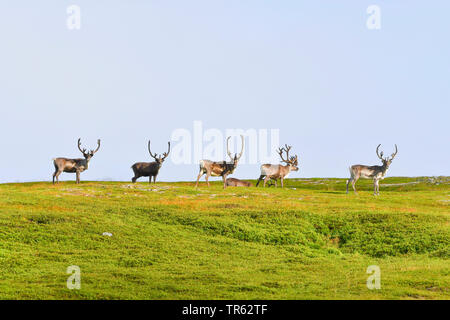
x=172, y=241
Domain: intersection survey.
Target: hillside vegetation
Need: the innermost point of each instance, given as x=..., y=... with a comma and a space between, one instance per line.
x=170, y=241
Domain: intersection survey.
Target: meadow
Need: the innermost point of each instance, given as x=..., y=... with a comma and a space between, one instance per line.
x=309, y=240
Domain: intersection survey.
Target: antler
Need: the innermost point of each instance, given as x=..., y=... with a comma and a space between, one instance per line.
x=242, y=148
x=165, y=154
x=395, y=153
x=294, y=160
x=79, y=147
x=98, y=147
x=280, y=152
x=153, y=156
x=228, y=148
x=286, y=149
x=289, y=160
x=381, y=154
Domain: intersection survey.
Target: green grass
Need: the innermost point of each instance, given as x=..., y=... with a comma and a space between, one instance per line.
x=170, y=241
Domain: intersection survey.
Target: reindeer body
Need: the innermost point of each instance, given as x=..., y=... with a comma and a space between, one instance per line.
x=219, y=168
x=73, y=165
x=376, y=173
x=368, y=172
x=233, y=182
x=149, y=169
x=278, y=171
x=216, y=169
x=145, y=169
x=275, y=172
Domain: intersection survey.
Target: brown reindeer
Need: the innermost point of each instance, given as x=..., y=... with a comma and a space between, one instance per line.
x=278, y=171
x=73, y=165
x=149, y=169
x=376, y=173
x=221, y=168
x=233, y=182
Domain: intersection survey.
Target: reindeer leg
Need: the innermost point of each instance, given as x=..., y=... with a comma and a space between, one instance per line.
x=354, y=184
x=154, y=179
x=136, y=175
x=377, y=187
x=224, y=177
x=207, y=178
x=57, y=176
x=56, y=170
x=265, y=180
x=200, y=174
x=282, y=185
x=78, y=177
x=352, y=178
x=259, y=180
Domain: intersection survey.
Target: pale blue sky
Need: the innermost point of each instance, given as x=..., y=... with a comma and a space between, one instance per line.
x=139, y=69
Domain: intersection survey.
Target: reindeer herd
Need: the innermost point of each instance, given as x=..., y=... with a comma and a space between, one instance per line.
x=223, y=169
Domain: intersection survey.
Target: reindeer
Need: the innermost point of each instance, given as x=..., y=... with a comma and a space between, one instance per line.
x=221, y=168
x=149, y=169
x=278, y=171
x=74, y=165
x=233, y=182
x=376, y=173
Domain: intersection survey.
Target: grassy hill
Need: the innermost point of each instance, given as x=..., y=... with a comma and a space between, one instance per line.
x=170, y=241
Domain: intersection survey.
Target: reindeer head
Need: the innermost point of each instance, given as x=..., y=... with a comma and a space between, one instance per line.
x=386, y=161
x=159, y=159
x=88, y=154
x=290, y=161
x=236, y=158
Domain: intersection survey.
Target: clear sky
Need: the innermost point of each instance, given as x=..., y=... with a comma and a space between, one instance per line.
x=140, y=69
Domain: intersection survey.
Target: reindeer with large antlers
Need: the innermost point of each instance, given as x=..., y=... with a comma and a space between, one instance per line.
x=376, y=173
x=220, y=168
x=278, y=171
x=74, y=165
x=149, y=169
